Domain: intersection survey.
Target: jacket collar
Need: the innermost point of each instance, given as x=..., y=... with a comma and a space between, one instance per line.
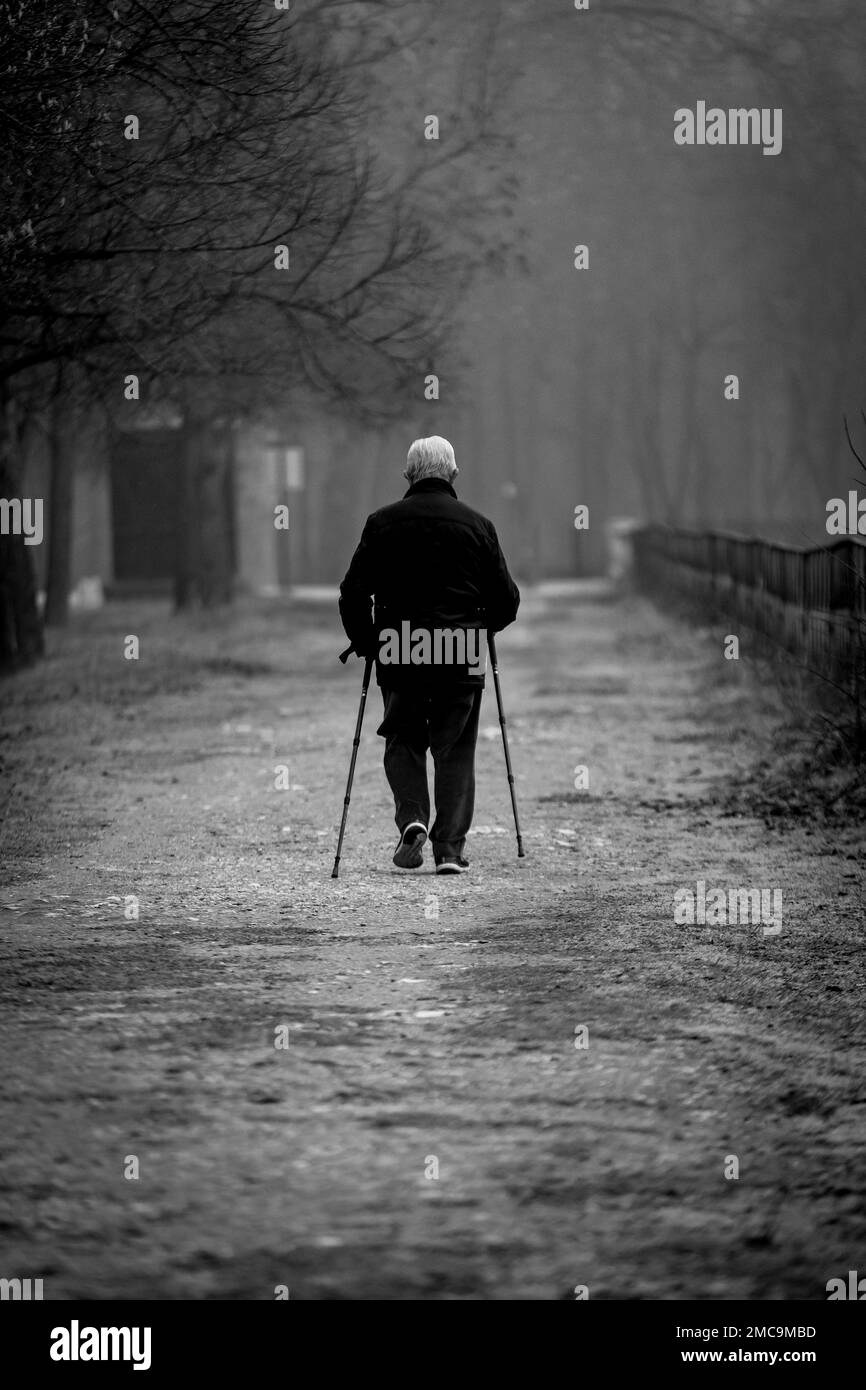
x=430, y=485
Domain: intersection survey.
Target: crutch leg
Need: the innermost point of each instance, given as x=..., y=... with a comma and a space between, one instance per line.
x=335, y=872
x=492, y=645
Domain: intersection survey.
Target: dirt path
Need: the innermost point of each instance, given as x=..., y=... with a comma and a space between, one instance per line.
x=413, y=1037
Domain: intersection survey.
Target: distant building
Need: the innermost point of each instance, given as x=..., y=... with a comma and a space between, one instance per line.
x=330, y=475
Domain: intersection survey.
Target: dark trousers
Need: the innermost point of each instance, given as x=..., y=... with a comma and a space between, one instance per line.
x=446, y=722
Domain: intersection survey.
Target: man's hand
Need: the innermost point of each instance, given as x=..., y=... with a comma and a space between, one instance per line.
x=368, y=645
x=366, y=648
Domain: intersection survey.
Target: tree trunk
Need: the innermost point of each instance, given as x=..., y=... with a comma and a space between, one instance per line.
x=59, y=518
x=21, y=639
x=204, y=554
x=184, y=557
x=215, y=551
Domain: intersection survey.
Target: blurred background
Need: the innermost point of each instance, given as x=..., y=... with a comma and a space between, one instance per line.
x=171, y=376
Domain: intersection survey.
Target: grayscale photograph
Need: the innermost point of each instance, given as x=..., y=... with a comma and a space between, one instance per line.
x=432, y=667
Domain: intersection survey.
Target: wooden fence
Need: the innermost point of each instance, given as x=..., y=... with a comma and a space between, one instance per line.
x=810, y=601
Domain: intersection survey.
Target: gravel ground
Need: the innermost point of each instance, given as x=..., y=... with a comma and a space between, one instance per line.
x=432, y=1127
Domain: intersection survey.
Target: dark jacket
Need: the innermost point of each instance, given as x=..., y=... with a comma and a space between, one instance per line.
x=434, y=562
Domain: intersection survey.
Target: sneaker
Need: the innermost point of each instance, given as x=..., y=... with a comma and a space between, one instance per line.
x=409, y=854
x=456, y=865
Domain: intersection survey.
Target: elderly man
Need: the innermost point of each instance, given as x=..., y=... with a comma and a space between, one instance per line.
x=436, y=573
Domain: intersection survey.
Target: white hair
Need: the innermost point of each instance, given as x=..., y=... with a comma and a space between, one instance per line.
x=430, y=458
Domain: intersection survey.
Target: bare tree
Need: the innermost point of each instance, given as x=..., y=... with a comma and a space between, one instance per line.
x=241, y=243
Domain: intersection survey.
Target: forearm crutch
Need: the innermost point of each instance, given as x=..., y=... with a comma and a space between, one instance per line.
x=492, y=645
x=368, y=666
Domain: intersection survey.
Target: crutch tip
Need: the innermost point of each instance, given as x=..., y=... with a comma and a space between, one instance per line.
x=335, y=872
